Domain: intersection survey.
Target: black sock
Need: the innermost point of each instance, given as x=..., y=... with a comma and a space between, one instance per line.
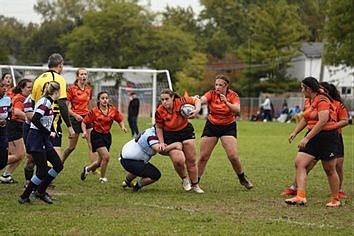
x=28, y=190
x=45, y=183
x=28, y=173
x=241, y=176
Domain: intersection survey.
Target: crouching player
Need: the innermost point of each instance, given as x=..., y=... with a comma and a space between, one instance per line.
x=135, y=158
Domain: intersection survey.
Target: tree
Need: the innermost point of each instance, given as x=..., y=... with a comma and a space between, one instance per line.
x=339, y=33
x=275, y=35
x=12, y=36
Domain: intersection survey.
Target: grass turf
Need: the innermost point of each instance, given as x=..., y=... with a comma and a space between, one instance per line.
x=226, y=208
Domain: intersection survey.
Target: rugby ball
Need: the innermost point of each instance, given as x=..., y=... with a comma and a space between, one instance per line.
x=186, y=110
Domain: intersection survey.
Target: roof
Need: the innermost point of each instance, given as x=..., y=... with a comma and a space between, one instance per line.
x=312, y=49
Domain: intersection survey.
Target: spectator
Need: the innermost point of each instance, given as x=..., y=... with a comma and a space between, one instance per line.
x=133, y=112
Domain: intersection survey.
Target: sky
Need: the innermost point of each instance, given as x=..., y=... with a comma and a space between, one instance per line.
x=23, y=9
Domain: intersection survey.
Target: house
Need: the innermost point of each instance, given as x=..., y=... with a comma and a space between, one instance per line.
x=309, y=63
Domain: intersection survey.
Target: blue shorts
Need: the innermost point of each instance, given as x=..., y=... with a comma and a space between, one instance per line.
x=141, y=169
x=37, y=142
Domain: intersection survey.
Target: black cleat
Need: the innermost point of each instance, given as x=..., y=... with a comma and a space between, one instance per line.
x=44, y=197
x=24, y=200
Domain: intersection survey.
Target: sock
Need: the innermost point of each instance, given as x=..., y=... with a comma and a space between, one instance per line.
x=301, y=193
x=241, y=176
x=293, y=187
x=28, y=172
x=45, y=183
x=28, y=190
x=128, y=182
x=6, y=174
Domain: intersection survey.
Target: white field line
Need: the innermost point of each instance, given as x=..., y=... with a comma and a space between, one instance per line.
x=318, y=225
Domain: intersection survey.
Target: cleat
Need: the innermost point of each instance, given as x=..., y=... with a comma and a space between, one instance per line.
x=24, y=200
x=342, y=195
x=84, y=173
x=248, y=185
x=137, y=187
x=197, y=189
x=289, y=191
x=44, y=197
x=186, y=183
x=126, y=184
x=7, y=179
x=334, y=202
x=296, y=201
x=103, y=180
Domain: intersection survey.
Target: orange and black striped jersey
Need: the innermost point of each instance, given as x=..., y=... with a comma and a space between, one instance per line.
x=320, y=103
x=173, y=121
x=102, y=123
x=219, y=112
x=342, y=113
x=17, y=102
x=79, y=99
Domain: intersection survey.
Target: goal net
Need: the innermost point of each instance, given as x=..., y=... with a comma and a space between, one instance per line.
x=119, y=83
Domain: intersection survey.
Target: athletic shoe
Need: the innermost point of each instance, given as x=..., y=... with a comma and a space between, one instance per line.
x=186, y=183
x=84, y=173
x=7, y=179
x=103, y=180
x=342, y=195
x=44, y=197
x=334, y=202
x=197, y=189
x=24, y=201
x=289, y=191
x=136, y=187
x=296, y=201
x=126, y=184
x=248, y=185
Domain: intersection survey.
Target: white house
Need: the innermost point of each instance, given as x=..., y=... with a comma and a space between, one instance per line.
x=309, y=63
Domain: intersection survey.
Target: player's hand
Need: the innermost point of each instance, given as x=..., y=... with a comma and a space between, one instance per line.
x=291, y=137
x=84, y=135
x=71, y=132
x=223, y=98
x=124, y=129
x=303, y=142
x=78, y=118
x=52, y=134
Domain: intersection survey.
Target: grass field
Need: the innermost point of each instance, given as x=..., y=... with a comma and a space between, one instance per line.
x=226, y=208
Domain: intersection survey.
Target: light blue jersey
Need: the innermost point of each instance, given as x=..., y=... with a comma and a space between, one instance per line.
x=140, y=148
x=44, y=107
x=5, y=107
x=27, y=107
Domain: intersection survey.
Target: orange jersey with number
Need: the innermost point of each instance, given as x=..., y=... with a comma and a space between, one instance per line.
x=102, y=123
x=17, y=102
x=219, y=112
x=79, y=98
x=320, y=103
x=173, y=121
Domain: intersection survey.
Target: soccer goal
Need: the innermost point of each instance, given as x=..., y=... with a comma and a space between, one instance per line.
x=119, y=83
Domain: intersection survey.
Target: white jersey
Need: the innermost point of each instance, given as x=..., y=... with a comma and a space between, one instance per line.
x=140, y=147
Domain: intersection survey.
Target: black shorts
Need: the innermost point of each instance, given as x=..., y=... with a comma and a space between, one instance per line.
x=141, y=169
x=179, y=136
x=14, y=130
x=324, y=146
x=340, y=146
x=77, y=125
x=211, y=130
x=100, y=140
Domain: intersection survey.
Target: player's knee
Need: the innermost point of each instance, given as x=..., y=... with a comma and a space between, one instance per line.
x=156, y=175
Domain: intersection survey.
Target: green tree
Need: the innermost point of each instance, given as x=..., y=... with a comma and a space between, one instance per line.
x=190, y=78
x=13, y=34
x=275, y=35
x=339, y=34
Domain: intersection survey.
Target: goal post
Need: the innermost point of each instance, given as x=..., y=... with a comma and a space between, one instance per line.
x=119, y=83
